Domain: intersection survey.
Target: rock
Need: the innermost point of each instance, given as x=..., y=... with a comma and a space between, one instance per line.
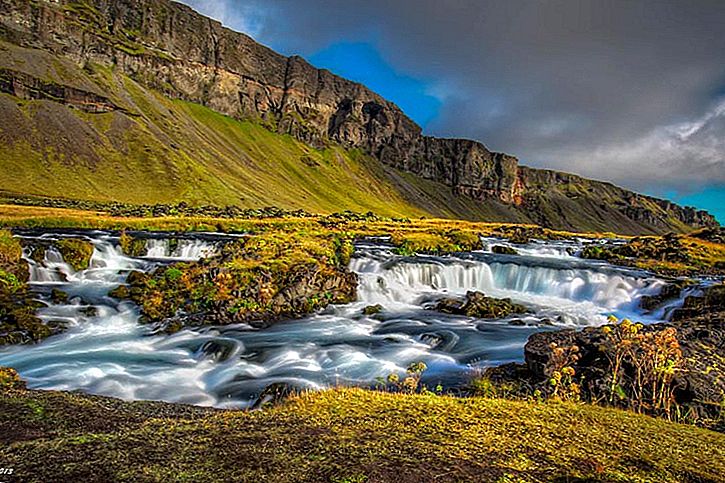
x=503, y=250
x=713, y=300
x=89, y=311
x=699, y=384
x=120, y=292
x=275, y=393
x=476, y=304
x=517, y=322
x=76, y=253
x=669, y=291
x=9, y=379
x=58, y=296
x=131, y=246
x=372, y=309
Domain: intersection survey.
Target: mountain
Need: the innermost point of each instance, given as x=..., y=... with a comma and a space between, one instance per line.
x=147, y=101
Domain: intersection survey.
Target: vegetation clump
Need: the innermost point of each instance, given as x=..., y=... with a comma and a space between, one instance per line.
x=76, y=253
x=131, y=246
x=503, y=250
x=435, y=241
x=257, y=280
x=477, y=304
x=18, y=323
x=669, y=254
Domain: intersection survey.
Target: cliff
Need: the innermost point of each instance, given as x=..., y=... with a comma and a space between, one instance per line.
x=169, y=48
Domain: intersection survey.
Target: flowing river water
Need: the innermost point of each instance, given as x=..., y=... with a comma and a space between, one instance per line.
x=106, y=351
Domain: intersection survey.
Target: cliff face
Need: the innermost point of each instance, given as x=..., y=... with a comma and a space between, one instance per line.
x=170, y=48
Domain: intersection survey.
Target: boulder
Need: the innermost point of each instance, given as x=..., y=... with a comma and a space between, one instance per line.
x=477, y=304
x=503, y=250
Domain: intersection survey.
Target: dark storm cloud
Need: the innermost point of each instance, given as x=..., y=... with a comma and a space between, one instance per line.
x=618, y=90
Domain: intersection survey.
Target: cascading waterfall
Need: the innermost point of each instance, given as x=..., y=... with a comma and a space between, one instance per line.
x=161, y=248
x=106, y=351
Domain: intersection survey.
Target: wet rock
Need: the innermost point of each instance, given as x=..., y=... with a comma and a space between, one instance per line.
x=503, y=250
x=669, y=292
x=517, y=322
x=712, y=300
x=89, y=311
x=120, y=292
x=476, y=304
x=131, y=246
x=58, y=296
x=76, y=253
x=372, y=309
x=275, y=394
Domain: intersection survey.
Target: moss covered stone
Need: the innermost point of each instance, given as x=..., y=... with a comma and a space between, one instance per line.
x=476, y=304
x=257, y=280
x=76, y=253
x=131, y=246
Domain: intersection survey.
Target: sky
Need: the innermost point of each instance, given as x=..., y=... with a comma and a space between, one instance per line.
x=631, y=92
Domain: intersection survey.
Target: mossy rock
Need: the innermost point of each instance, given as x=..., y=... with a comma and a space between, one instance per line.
x=9, y=379
x=373, y=309
x=58, y=296
x=76, y=253
x=131, y=246
x=476, y=304
x=503, y=250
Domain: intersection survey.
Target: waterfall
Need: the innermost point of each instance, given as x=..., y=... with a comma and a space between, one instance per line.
x=105, y=350
x=185, y=250
x=405, y=281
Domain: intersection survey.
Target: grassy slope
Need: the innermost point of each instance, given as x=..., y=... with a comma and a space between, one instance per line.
x=163, y=150
x=159, y=150
x=347, y=435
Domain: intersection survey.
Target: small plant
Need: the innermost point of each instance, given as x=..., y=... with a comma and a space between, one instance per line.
x=643, y=366
x=411, y=382
x=560, y=372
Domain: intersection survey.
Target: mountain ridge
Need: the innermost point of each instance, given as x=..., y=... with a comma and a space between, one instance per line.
x=168, y=47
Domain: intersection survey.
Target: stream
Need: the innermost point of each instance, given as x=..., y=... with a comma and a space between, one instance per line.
x=106, y=351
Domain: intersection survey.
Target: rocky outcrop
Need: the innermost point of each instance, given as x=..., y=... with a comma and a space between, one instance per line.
x=699, y=384
x=257, y=281
x=25, y=86
x=476, y=304
x=171, y=48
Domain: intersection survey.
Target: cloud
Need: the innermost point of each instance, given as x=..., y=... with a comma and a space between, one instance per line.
x=612, y=89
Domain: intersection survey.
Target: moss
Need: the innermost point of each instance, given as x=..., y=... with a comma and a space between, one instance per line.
x=130, y=246
x=260, y=279
x=504, y=250
x=373, y=309
x=669, y=254
x=76, y=253
x=9, y=379
x=349, y=435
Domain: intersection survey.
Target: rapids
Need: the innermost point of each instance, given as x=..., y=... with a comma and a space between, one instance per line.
x=106, y=351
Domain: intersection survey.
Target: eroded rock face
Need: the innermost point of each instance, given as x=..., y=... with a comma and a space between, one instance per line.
x=171, y=48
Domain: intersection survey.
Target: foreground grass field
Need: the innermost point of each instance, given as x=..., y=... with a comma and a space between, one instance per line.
x=347, y=435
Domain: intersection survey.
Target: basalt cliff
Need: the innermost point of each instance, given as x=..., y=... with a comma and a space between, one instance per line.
x=85, y=84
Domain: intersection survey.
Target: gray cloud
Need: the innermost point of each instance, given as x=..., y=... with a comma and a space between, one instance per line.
x=604, y=88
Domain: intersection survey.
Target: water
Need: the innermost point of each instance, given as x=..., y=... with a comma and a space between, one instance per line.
x=105, y=351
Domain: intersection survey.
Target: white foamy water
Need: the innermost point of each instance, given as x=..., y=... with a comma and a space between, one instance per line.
x=106, y=351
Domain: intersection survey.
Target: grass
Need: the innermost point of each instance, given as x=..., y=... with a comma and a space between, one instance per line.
x=348, y=435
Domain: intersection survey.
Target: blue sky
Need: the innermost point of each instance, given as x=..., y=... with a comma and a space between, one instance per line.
x=361, y=62
x=627, y=92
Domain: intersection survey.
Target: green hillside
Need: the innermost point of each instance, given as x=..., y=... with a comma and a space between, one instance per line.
x=158, y=150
